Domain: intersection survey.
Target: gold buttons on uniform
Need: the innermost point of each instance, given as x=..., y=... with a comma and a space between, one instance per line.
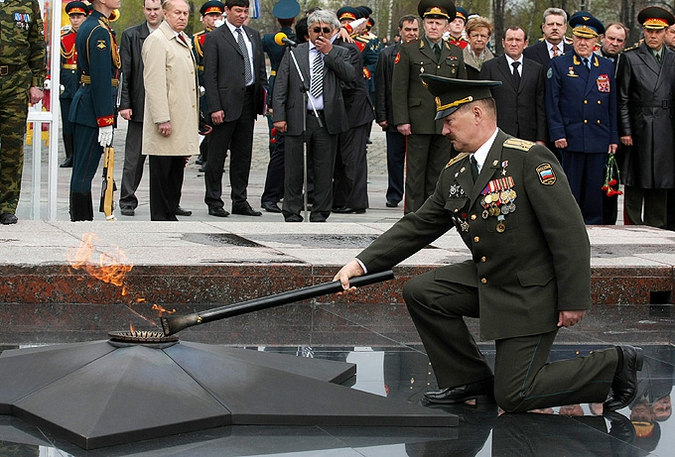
x=476, y=239
x=483, y=259
x=598, y=121
x=585, y=102
x=599, y=102
x=585, y=121
x=474, y=217
x=483, y=280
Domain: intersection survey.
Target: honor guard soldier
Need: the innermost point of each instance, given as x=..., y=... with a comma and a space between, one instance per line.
x=22, y=75
x=414, y=107
x=581, y=108
x=369, y=44
x=285, y=11
x=528, y=276
x=212, y=13
x=456, y=33
x=70, y=80
x=93, y=108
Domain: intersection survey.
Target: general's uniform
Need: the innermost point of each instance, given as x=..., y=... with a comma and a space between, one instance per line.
x=581, y=106
x=428, y=151
x=22, y=66
x=530, y=260
x=93, y=107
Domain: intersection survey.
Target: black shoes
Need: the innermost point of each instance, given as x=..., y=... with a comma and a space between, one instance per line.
x=624, y=384
x=68, y=163
x=317, y=217
x=348, y=210
x=183, y=212
x=271, y=207
x=391, y=204
x=244, y=209
x=218, y=212
x=293, y=218
x=127, y=211
x=480, y=390
x=8, y=219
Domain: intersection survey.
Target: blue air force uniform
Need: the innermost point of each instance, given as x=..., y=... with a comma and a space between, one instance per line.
x=581, y=107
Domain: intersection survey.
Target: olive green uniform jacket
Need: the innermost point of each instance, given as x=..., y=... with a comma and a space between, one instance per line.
x=528, y=264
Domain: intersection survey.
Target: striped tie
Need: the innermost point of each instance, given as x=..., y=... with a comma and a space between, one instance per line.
x=247, y=63
x=316, y=84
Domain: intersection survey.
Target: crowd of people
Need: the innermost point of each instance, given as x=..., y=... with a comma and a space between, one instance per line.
x=615, y=110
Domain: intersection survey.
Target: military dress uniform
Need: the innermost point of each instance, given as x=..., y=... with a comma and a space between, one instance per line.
x=427, y=149
x=22, y=66
x=581, y=106
x=530, y=260
x=93, y=107
x=70, y=80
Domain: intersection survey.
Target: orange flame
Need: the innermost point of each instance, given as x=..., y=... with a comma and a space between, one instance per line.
x=131, y=327
x=162, y=310
x=111, y=268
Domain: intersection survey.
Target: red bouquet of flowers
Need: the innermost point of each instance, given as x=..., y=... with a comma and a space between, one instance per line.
x=612, y=177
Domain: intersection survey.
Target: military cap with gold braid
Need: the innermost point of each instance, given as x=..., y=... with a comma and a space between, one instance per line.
x=439, y=9
x=77, y=8
x=584, y=25
x=655, y=18
x=452, y=93
x=212, y=6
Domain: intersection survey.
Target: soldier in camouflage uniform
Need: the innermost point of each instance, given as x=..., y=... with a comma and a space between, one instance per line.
x=22, y=74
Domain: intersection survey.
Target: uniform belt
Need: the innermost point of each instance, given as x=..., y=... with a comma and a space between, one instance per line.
x=665, y=104
x=86, y=79
x=69, y=66
x=273, y=72
x=7, y=69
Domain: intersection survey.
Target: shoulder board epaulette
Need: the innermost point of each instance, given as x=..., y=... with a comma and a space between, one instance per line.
x=634, y=47
x=517, y=143
x=201, y=32
x=457, y=158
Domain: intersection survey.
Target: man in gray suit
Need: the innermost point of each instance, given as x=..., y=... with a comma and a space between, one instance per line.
x=323, y=67
x=235, y=80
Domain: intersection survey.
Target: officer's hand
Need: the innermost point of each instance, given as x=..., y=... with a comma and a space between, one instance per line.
x=126, y=114
x=281, y=126
x=561, y=143
x=350, y=270
x=627, y=140
x=105, y=135
x=404, y=129
x=569, y=318
x=35, y=94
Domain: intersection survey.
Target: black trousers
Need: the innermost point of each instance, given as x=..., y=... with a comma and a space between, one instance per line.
x=524, y=379
x=274, y=180
x=395, y=166
x=132, y=171
x=427, y=156
x=238, y=136
x=321, y=150
x=166, y=184
x=351, y=169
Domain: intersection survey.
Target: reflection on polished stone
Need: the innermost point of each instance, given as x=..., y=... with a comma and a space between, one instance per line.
x=644, y=428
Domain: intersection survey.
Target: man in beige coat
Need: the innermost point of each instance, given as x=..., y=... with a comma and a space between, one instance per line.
x=171, y=120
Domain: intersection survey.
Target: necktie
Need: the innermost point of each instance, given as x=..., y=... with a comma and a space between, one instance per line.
x=182, y=38
x=247, y=61
x=555, y=51
x=437, y=51
x=516, y=74
x=316, y=84
x=585, y=60
x=658, y=57
x=474, y=167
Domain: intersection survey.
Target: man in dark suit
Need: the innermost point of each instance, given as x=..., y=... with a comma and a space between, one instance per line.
x=324, y=68
x=582, y=114
x=408, y=29
x=553, y=39
x=132, y=103
x=235, y=80
x=646, y=100
x=520, y=98
x=497, y=193
x=428, y=151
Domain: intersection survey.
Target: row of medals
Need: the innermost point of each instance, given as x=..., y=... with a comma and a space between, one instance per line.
x=498, y=200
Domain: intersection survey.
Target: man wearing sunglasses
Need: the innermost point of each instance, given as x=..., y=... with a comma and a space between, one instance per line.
x=323, y=67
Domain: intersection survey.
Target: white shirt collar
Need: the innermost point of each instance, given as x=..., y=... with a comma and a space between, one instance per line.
x=510, y=61
x=482, y=152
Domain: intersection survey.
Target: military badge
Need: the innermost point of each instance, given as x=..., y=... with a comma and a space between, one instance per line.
x=603, y=83
x=101, y=44
x=571, y=74
x=398, y=58
x=546, y=174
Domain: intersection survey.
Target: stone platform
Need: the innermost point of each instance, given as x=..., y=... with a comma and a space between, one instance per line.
x=191, y=266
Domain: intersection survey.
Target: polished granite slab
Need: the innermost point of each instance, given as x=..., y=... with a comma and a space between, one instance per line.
x=392, y=363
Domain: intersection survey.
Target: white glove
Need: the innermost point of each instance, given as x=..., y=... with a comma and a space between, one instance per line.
x=105, y=135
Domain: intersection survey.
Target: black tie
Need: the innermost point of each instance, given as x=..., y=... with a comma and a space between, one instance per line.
x=316, y=83
x=474, y=168
x=658, y=58
x=516, y=74
x=586, y=63
x=437, y=51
